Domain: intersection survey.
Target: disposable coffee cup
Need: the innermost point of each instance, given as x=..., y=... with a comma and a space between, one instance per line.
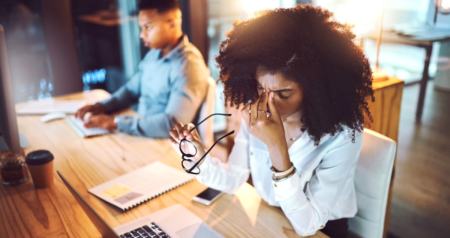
x=40, y=165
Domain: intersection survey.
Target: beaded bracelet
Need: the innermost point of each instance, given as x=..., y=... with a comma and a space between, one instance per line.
x=282, y=179
x=284, y=173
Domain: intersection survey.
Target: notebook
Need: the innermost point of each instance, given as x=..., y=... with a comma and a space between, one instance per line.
x=142, y=185
x=84, y=132
x=49, y=105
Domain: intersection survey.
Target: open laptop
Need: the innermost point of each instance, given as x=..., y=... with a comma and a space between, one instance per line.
x=175, y=222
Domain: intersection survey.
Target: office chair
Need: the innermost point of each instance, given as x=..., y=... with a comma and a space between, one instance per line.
x=372, y=179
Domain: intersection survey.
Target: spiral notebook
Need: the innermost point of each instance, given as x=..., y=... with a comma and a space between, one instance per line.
x=142, y=185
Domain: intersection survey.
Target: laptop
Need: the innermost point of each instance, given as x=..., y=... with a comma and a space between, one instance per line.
x=175, y=222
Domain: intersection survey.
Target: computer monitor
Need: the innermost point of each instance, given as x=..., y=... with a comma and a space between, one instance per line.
x=8, y=122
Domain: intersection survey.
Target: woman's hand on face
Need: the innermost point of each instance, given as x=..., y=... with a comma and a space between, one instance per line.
x=265, y=126
x=268, y=129
x=180, y=132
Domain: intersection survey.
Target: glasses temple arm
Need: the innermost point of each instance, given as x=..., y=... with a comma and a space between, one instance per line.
x=214, y=114
x=207, y=152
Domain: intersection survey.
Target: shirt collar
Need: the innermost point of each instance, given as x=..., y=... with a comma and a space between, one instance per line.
x=175, y=52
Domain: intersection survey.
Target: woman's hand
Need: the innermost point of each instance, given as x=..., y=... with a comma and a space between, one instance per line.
x=268, y=128
x=179, y=132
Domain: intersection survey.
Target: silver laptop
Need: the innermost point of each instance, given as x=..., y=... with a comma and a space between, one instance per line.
x=175, y=221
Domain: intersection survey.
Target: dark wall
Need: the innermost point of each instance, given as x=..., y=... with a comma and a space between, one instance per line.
x=41, y=47
x=60, y=38
x=195, y=23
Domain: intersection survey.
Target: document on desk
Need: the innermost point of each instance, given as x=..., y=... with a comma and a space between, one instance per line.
x=46, y=106
x=142, y=185
x=78, y=126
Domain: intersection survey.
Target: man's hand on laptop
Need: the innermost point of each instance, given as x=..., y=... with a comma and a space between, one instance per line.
x=95, y=109
x=101, y=121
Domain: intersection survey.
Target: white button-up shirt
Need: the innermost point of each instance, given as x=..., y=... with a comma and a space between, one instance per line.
x=322, y=188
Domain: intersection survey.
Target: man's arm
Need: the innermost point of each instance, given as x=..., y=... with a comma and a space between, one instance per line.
x=189, y=87
x=126, y=96
x=122, y=98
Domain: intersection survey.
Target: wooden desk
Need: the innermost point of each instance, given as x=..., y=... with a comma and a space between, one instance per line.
x=425, y=41
x=385, y=110
x=53, y=212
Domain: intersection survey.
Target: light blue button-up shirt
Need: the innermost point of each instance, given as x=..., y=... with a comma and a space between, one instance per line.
x=168, y=90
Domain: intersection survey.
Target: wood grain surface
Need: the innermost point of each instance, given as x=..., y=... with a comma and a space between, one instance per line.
x=420, y=204
x=53, y=212
x=386, y=108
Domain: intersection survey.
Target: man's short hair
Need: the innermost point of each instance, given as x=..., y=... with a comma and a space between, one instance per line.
x=161, y=6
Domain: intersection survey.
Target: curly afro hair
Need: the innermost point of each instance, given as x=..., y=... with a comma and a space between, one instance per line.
x=307, y=47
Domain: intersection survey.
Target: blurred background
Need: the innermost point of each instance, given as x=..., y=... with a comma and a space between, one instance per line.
x=57, y=47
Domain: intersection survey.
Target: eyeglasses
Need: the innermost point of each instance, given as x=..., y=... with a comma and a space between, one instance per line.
x=188, y=149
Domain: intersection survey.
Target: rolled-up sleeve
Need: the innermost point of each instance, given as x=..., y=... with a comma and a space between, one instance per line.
x=310, y=208
x=287, y=188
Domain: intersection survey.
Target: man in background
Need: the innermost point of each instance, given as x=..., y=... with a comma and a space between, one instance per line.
x=170, y=85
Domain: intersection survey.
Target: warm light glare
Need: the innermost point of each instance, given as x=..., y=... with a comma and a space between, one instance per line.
x=361, y=13
x=251, y=6
x=445, y=4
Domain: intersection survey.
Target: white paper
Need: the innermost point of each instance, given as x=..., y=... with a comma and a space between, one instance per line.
x=49, y=105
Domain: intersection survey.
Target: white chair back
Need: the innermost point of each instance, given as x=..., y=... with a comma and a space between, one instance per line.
x=206, y=129
x=372, y=179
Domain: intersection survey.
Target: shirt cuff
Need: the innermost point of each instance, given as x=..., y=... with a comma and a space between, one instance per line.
x=123, y=123
x=287, y=188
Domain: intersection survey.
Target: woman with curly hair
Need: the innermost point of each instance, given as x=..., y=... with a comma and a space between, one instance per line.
x=304, y=84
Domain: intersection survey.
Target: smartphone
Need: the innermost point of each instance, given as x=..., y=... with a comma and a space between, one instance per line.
x=208, y=196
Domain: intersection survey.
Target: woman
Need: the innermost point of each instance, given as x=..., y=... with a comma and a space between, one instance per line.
x=307, y=84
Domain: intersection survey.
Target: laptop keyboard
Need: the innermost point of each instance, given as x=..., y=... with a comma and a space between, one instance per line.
x=152, y=231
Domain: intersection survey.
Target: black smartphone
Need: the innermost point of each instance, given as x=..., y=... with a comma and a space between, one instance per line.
x=208, y=196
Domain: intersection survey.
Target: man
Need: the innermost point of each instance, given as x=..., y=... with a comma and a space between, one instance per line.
x=170, y=85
